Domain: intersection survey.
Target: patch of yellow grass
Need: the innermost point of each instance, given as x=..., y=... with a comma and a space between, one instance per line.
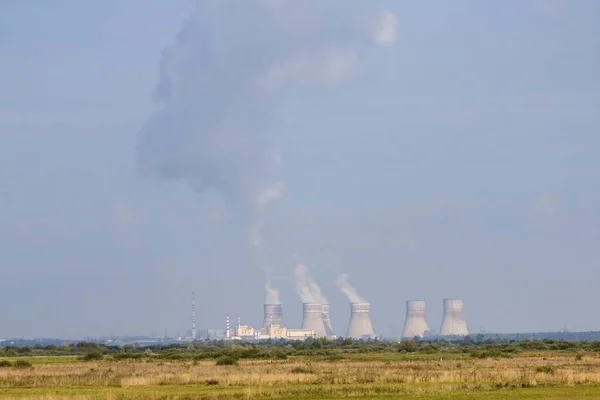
x=272, y=379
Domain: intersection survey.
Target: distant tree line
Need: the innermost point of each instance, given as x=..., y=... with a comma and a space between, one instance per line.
x=477, y=347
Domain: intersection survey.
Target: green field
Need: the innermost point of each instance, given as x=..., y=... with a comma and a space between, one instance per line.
x=314, y=369
x=551, y=375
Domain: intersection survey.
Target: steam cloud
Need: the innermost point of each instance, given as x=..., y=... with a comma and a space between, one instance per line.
x=272, y=294
x=218, y=81
x=348, y=290
x=228, y=65
x=306, y=288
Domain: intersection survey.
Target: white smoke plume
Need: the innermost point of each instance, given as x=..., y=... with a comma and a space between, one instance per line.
x=348, y=290
x=272, y=294
x=306, y=287
x=227, y=67
x=256, y=237
x=219, y=80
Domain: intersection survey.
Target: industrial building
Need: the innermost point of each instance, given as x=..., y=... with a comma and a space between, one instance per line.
x=312, y=319
x=453, y=322
x=326, y=313
x=415, y=324
x=360, y=322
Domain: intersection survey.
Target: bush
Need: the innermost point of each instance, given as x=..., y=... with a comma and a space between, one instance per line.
x=5, y=364
x=22, y=364
x=334, y=357
x=93, y=356
x=227, y=360
x=545, y=369
x=128, y=356
x=407, y=346
x=301, y=370
x=212, y=382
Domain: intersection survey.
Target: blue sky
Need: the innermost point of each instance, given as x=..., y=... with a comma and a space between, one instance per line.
x=457, y=158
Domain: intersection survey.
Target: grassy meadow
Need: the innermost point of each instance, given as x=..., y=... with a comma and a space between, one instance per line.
x=549, y=374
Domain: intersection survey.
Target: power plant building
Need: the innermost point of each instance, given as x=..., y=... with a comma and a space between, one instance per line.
x=415, y=324
x=360, y=322
x=326, y=314
x=454, y=323
x=273, y=315
x=312, y=319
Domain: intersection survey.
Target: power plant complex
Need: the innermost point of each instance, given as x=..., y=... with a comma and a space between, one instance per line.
x=316, y=322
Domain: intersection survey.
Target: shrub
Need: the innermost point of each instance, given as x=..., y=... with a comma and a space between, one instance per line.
x=93, y=356
x=128, y=356
x=301, y=370
x=407, y=346
x=22, y=364
x=545, y=369
x=227, y=360
x=211, y=382
x=5, y=364
x=334, y=357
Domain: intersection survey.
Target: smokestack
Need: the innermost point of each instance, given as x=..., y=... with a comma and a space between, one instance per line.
x=360, y=321
x=326, y=315
x=454, y=323
x=193, y=315
x=312, y=319
x=416, y=320
x=273, y=315
x=227, y=328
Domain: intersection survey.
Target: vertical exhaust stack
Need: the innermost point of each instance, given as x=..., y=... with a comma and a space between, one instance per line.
x=416, y=320
x=194, y=315
x=312, y=319
x=454, y=323
x=360, y=321
x=326, y=315
x=273, y=315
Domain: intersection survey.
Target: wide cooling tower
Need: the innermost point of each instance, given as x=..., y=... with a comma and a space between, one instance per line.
x=312, y=319
x=360, y=322
x=454, y=323
x=273, y=315
x=326, y=314
x=416, y=320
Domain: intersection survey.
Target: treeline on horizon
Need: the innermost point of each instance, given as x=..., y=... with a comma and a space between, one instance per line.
x=279, y=350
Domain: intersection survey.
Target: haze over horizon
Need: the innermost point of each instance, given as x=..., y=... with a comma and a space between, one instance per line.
x=428, y=150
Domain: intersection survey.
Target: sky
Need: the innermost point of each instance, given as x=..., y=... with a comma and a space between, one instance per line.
x=419, y=149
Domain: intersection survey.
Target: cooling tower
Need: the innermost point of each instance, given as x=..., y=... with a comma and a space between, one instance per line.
x=273, y=315
x=416, y=321
x=360, y=322
x=454, y=323
x=326, y=314
x=312, y=318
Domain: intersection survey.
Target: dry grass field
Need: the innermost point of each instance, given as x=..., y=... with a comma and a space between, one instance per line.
x=529, y=376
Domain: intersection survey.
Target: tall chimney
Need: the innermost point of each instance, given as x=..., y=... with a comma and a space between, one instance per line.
x=193, y=315
x=416, y=320
x=360, y=322
x=273, y=315
x=312, y=318
x=326, y=314
x=454, y=323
